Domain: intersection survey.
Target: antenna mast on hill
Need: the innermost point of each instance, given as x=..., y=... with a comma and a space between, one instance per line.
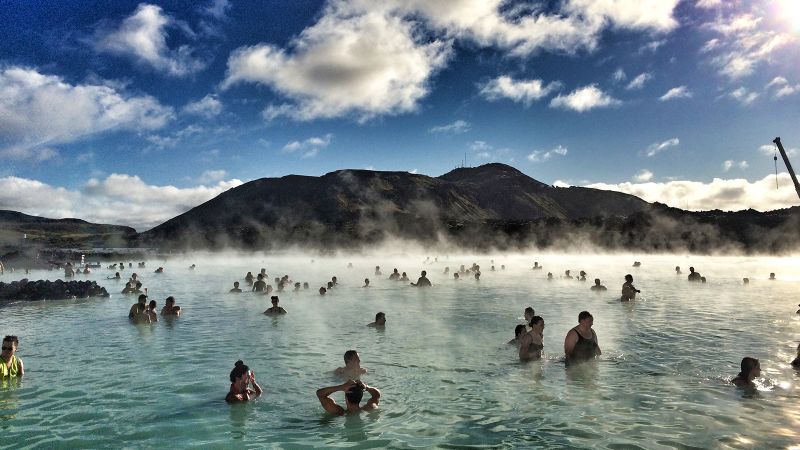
x=777, y=142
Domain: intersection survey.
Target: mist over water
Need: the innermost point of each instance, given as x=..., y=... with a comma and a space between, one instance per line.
x=446, y=375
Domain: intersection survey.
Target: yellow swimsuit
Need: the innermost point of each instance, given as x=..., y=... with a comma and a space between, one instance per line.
x=11, y=369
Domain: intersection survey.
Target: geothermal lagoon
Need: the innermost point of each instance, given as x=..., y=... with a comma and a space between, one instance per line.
x=446, y=374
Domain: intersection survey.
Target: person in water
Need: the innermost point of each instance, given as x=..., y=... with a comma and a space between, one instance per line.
x=395, y=275
x=260, y=285
x=353, y=392
x=170, y=308
x=378, y=270
x=455, y=276
x=677, y=270
x=750, y=370
x=519, y=331
x=772, y=276
x=549, y=276
x=352, y=365
x=159, y=270
x=128, y=289
x=597, y=286
x=528, y=314
x=242, y=380
x=581, y=341
x=567, y=275
x=693, y=276
x=235, y=289
x=322, y=290
x=404, y=277
x=366, y=283
x=380, y=321
x=583, y=276
x=796, y=360
x=249, y=278
x=532, y=343
x=275, y=310
x=134, y=311
x=629, y=291
x=151, y=311
x=140, y=314
x=423, y=280
x=115, y=277
x=745, y=280
x=10, y=365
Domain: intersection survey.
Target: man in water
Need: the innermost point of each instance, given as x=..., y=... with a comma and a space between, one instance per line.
x=693, y=276
x=260, y=285
x=629, y=291
x=597, y=286
x=275, y=310
x=772, y=276
x=581, y=341
x=322, y=291
x=677, y=270
x=353, y=392
x=536, y=266
x=519, y=331
x=242, y=379
x=366, y=283
x=134, y=311
x=170, y=308
x=380, y=321
x=10, y=365
x=423, y=280
x=395, y=275
x=567, y=275
x=352, y=365
x=529, y=313
x=235, y=289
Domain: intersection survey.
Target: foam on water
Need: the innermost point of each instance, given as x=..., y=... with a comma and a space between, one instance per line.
x=447, y=377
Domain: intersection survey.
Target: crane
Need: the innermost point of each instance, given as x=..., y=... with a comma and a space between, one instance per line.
x=777, y=142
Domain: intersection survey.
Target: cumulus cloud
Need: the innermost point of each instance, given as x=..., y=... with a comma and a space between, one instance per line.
x=212, y=176
x=143, y=36
x=723, y=194
x=38, y=111
x=643, y=175
x=619, y=75
x=730, y=164
x=523, y=91
x=208, y=107
x=781, y=87
x=658, y=147
x=486, y=151
x=676, y=93
x=457, y=127
x=118, y=199
x=585, y=99
x=544, y=155
x=772, y=149
x=639, y=81
x=652, y=46
x=309, y=147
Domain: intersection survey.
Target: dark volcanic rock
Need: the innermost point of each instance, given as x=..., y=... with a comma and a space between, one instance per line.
x=50, y=290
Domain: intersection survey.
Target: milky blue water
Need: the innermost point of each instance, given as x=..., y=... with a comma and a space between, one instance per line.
x=447, y=376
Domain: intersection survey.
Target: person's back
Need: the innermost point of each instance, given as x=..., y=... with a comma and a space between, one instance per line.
x=597, y=286
x=423, y=280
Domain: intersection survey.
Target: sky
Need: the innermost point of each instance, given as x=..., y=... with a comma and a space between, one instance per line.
x=132, y=113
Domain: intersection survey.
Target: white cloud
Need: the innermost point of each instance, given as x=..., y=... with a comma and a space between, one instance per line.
x=708, y=3
x=212, y=176
x=743, y=95
x=38, y=111
x=171, y=140
x=782, y=87
x=208, y=107
x=542, y=155
x=619, y=75
x=309, y=147
x=118, y=199
x=652, y=46
x=639, y=81
x=676, y=93
x=524, y=91
x=143, y=36
x=771, y=149
x=218, y=8
x=457, y=127
x=659, y=147
x=710, y=45
x=724, y=194
x=730, y=164
x=643, y=175
x=585, y=99
x=484, y=150
x=631, y=14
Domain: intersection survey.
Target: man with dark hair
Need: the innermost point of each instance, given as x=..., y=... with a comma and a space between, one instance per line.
x=380, y=321
x=10, y=365
x=352, y=365
x=275, y=309
x=581, y=341
x=423, y=280
x=170, y=308
x=353, y=392
x=260, y=285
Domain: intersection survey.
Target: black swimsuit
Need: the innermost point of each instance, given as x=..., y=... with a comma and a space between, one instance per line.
x=585, y=349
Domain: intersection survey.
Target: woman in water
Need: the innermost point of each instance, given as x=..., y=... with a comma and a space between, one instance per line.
x=751, y=369
x=532, y=343
x=242, y=378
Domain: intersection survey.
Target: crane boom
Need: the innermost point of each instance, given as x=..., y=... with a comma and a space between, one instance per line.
x=777, y=142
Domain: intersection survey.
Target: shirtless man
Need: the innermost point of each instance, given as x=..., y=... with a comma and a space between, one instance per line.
x=380, y=321
x=352, y=365
x=353, y=391
x=260, y=285
x=235, y=289
x=597, y=286
x=423, y=280
x=275, y=310
x=170, y=308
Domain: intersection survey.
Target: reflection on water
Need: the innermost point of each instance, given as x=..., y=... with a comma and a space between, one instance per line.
x=446, y=375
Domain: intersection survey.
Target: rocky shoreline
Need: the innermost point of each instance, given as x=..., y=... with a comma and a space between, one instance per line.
x=50, y=290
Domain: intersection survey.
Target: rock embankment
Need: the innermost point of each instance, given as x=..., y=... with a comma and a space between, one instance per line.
x=50, y=290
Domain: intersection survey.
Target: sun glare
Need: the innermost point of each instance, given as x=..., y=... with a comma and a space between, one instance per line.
x=789, y=11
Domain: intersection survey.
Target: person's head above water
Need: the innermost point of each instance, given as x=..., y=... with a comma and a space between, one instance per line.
x=629, y=278
x=529, y=313
x=519, y=330
x=274, y=300
x=585, y=318
x=351, y=357
x=355, y=393
x=322, y=291
x=750, y=368
x=239, y=369
x=142, y=299
x=424, y=273
x=597, y=281
x=691, y=269
x=380, y=318
x=535, y=321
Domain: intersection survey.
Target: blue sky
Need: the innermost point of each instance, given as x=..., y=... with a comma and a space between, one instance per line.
x=131, y=113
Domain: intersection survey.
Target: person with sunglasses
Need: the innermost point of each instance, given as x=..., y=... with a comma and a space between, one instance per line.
x=10, y=364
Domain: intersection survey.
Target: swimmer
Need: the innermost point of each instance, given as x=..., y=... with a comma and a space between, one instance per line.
x=115, y=277
x=423, y=280
x=404, y=277
x=128, y=289
x=798, y=311
x=86, y=270
x=322, y=291
x=68, y=271
x=10, y=365
x=549, y=276
x=532, y=343
x=502, y=267
x=529, y=313
x=796, y=360
x=260, y=285
x=333, y=280
x=353, y=392
x=378, y=270
x=305, y=285
x=491, y=269
x=629, y=291
x=275, y=309
x=138, y=312
x=702, y=279
x=581, y=341
x=134, y=309
x=264, y=272
x=567, y=275
x=192, y=267
x=677, y=270
x=249, y=278
x=477, y=276
x=693, y=276
x=242, y=379
x=151, y=311
x=395, y=275
x=170, y=308
x=159, y=270
x=446, y=270
x=137, y=288
x=751, y=369
x=455, y=276
x=330, y=285
x=366, y=283
x=583, y=276
x=597, y=286
x=297, y=287
x=352, y=365
x=536, y=266
x=519, y=331
x=772, y=276
x=637, y=264
x=745, y=280
x=380, y=321
x=235, y=289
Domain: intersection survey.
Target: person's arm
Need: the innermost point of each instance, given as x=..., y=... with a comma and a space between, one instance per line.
x=569, y=342
x=524, y=345
x=132, y=312
x=255, y=385
x=372, y=403
x=594, y=336
x=21, y=367
x=328, y=403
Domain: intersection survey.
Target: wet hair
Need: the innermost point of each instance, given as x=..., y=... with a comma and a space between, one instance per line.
x=747, y=366
x=628, y=277
x=354, y=394
x=274, y=299
x=170, y=299
x=535, y=320
x=529, y=309
x=239, y=369
x=11, y=338
x=152, y=304
x=519, y=329
x=379, y=315
x=348, y=355
x=142, y=297
x=584, y=315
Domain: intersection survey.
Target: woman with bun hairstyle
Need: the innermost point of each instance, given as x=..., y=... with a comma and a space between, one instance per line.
x=242, y=379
